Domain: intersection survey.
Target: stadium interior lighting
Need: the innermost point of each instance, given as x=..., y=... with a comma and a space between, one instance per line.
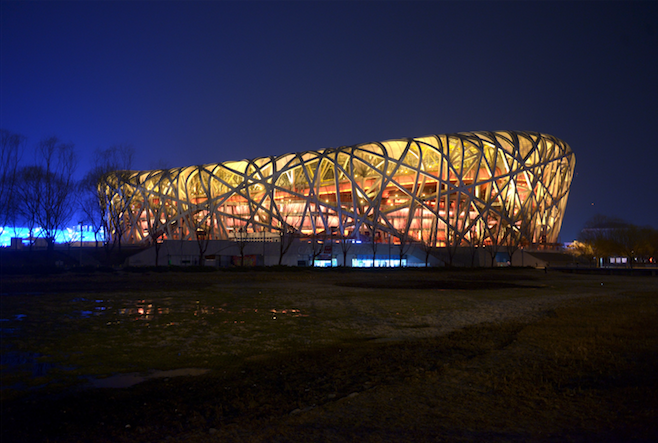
x=470, y=188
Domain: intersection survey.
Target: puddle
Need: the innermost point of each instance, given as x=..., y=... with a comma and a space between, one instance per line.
x=289, y=312
x=145, y=310
x=28, y=361
x=6, y=331
x=13, y=361
x=131, y=379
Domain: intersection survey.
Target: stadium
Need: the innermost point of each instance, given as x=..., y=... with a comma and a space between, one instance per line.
x=437, y=194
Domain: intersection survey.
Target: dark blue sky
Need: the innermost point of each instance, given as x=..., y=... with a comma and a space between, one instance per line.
x=203, y=82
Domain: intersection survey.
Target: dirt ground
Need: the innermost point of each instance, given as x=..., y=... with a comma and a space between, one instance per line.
x=395, y=355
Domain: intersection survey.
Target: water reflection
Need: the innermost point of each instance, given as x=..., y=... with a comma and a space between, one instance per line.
x=13, y=361
x=147, y=310
x=6, y=331
x=131, y=379
x=143, y=311
x=289, y=312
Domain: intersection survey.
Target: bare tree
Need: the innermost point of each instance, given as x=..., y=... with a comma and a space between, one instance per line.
x=202, y=235
x=317, y=239
x=584, y=251
x=287, y=229
x=92, y=207
x=517, y=236
x=287, y=233
x=28, y=190
x=475, y=240
x=452, y=243
x=12, y=147
x=117, y=197
x=635, y=242
x=200, y=221
x=157, y=209
x=241, y=239
x=202, y=218
x=372, y=240
x=317, y=243
x=155, y=222
x=428, y=240
x=49, y=188
x=649, y=249
x=96, y=189
x=405, y=245
x=373, y=221
x=610, y=236
x=407, y=240
x=599, y=233
x=344, y=240
x=494, y=237
x=629, y=241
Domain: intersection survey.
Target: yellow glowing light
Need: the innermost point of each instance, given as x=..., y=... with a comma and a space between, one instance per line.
x=288, y=194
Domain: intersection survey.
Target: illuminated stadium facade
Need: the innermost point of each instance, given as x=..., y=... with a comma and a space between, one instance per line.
x=470, y=189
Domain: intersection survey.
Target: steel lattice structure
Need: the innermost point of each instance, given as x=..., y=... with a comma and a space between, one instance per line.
x=471, y=188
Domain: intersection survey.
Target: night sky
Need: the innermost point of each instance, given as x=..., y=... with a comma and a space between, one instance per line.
x=204, y=82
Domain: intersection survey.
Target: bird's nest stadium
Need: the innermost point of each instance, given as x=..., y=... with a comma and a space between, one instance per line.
x=465, y=189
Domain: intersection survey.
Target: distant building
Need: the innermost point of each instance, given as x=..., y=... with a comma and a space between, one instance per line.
x=465, y=189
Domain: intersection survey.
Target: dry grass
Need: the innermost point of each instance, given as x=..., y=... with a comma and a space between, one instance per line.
x=510, y=355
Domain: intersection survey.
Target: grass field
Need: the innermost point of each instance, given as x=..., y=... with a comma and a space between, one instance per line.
x=331, y=355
